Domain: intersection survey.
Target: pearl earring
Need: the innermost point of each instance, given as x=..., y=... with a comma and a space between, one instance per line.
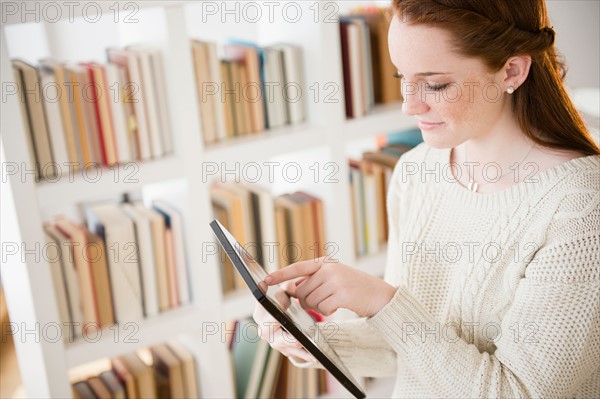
x=510, y=90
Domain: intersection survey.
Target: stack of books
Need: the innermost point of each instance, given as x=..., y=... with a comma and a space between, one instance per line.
x=276, y=231
x=369, y=181
x=368, y=70
x=78, y=115
x=262, y=372
x=128, y=263
x=250, y=90
x=167, y=370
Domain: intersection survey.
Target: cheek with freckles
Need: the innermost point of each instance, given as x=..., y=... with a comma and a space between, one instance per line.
x=469, y=107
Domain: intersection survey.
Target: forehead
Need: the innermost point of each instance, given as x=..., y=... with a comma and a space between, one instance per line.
x=423, y=48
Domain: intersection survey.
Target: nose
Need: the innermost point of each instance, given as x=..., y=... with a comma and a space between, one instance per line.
x=413, y=103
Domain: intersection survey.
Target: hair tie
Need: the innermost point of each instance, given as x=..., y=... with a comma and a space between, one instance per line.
x=549, y=30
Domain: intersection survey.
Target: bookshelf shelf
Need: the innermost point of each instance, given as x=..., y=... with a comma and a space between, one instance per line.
x=383, y=118
x=118, y=340
x=102, y=182
x=264, y=146
x=237, y=305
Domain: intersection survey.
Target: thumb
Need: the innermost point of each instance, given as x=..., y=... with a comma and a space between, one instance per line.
x=289, y=287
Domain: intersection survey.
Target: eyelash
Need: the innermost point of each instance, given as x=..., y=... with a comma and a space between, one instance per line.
x=429, y=87
x=437, y=87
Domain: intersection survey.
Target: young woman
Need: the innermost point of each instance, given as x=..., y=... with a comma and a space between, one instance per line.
x=492, y=285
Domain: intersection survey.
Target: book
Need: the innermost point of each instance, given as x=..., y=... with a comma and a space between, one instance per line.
x=295, y=249
x=118, y=232
x=98, y=387
x=275, y=81
x=241, y=111
x=143, y=232
x=58, y=72
x=281, y=231
x=251, y=90
x=159, y=228
x=386, y=87
x=356, y=76
x=370, y=204
x=52, y=93
x=166, y=136
x=150, y=94
x=357, y=193
x=228, y=99
x=77, y=237
x=408, y=137
x=271, y=373
x=174, y=224
x=82, y=390
x=34, y=115
x=318, y=222
x=346, y=68
x=77, y=79
x=91, y=103
x=188, y=365
x=143, y=375
x=206, y=102
x=89, y=99
x=54, y=256
x=365, y=66
x=293, y=72
x=241, y=192
x=112, y=383
x=96, y=254
x=104, y=113
x=249, y=356
x=309, y=245
x=136, y=97
x=168, y=366
x=227, y=270
x=123, y=137
x=265, y=229
x=235, y=209
x=124, y=376
x=70, y=277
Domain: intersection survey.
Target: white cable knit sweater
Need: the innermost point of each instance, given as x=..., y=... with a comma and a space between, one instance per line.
x=499, y=293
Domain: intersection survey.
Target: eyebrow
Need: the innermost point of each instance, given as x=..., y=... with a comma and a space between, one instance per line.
x=427, y=74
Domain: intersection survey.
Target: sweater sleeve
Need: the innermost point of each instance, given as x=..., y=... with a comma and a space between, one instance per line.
x=549, y=341
x=362, y=350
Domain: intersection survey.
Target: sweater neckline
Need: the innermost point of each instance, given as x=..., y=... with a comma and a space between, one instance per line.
x=520, y=190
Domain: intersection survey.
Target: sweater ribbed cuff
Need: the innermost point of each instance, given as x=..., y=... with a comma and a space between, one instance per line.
x=402, y=321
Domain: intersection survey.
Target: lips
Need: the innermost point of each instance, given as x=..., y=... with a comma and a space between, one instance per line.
x=429, y=125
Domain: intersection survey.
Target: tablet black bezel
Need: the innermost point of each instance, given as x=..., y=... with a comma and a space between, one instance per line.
x=282, y=318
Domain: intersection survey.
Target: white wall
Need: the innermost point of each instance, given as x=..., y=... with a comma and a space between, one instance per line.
x=576, y=23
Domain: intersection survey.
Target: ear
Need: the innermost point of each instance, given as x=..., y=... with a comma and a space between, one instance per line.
x=515, y=71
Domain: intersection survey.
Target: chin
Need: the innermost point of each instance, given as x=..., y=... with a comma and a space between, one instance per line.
x=438, y=139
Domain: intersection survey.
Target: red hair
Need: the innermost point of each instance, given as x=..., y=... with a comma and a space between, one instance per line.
x=494, y=31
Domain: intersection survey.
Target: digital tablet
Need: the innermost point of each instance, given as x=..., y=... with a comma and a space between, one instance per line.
x=287, y=311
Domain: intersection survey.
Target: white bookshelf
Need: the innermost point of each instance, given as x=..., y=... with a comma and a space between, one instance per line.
x=326, y=136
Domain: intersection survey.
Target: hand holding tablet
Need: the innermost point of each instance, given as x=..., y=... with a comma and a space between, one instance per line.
x=288, y=313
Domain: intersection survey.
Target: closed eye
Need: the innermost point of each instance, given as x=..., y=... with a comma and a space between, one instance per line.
x=437, y=87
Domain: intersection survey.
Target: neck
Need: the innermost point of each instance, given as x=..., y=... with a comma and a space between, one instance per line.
x=491, y=154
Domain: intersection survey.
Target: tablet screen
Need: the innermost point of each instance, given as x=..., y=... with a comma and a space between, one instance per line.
x=254, y=275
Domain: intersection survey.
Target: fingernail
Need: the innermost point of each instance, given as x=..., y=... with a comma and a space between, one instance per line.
x=312, y=359
x=268, y=279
